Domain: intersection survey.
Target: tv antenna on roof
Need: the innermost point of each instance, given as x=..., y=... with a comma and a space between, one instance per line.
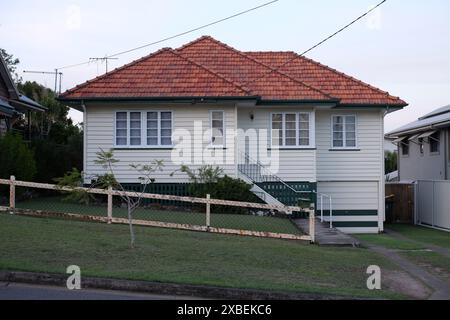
x=55, y=73
x=103, y=59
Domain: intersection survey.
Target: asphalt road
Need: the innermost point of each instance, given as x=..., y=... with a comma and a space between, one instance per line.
x=20, y=291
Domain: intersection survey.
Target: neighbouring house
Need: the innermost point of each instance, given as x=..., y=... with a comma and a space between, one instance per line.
x=389, y=145
x=280, y=121
x=13, y=105
x=424, y=147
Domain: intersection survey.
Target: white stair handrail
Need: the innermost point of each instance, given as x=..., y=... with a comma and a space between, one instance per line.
x=248, y=158
x=321, y=207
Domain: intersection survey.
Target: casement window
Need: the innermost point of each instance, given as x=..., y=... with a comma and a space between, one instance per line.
x=405, y=147
x=435, y=142
x=143, y=129
x=344, y=132
x=135, y=128
x=292, y=130
x=121, y=128
x=217, y=128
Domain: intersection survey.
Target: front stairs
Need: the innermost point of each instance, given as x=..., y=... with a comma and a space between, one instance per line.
x=272, y=189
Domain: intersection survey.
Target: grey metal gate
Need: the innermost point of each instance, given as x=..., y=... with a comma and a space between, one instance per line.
x=433, y=204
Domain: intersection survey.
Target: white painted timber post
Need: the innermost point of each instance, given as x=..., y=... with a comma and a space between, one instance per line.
x=110, y=204
x=312, y=226
x=208, y=211
x=12, y=192
x=331, y=214
x=321, y=208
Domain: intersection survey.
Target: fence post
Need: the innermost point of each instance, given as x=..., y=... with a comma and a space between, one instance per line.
x=12, y=192
x=312, y=226
x=110, y=204
x=208, y=211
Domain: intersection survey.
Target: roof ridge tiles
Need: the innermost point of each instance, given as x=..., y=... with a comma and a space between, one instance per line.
x=234, y=83
x=272, y=69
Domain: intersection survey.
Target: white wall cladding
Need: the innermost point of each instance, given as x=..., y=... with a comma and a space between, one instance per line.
x=353, y=178
x=350, y=195
x=100, y=128
x=364, y=164
x=294, y=165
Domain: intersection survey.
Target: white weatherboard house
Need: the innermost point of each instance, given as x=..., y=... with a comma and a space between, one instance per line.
x=278, y=120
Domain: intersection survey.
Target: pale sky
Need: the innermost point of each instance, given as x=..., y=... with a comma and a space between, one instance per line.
x=403, y=48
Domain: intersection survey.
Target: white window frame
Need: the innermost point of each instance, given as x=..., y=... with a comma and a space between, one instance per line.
x=211, y=144
x=312, y=130
x=431, y=140
x=127, y=137
x=143, y=144
x=344, y=138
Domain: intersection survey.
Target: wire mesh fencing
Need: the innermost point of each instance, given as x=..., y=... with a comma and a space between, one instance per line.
x=152, y=209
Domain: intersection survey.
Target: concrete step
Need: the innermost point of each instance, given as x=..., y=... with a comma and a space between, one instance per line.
x=326, y=236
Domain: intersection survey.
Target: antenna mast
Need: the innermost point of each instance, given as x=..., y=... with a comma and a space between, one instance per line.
x=105, y=59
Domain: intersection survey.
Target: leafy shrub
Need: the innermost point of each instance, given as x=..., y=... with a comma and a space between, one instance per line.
x=16, y=158
x=228, y=188
x=54, y=159
x=210, y=180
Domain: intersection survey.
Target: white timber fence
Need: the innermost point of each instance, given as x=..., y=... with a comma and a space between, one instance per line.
x=432, y=204
x=277, y=214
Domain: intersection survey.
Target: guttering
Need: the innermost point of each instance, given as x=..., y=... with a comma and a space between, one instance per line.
x=295, y=102
x=419, y=129
x=17, y=103
x=185, y=99
x=368, y=105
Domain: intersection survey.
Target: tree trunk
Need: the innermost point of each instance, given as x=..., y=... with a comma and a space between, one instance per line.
x=130, y=223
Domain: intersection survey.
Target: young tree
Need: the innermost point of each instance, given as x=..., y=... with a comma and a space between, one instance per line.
x=390, y=161
x=12, y=64
x=108, y=180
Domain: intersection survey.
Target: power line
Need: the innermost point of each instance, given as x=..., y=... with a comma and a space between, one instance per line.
x=55, y=73
x=316, y=45
x=179, y=34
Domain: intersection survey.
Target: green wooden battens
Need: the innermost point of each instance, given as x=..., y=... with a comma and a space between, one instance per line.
x=350, y=213
x=355, y=224
x=289, y=197
x=174, y=189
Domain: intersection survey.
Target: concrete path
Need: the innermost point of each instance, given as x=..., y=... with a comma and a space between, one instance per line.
x=432, y=247
x=326, y=236
x=440, y=287
x=20, y=291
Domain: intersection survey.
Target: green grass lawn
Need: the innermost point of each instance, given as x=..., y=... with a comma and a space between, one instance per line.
x=422, y=234
x=50, y=245
x=230, y=221
x=389, y=242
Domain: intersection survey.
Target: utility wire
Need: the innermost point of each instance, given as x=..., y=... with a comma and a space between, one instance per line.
x=179, y=34
x=316, y=45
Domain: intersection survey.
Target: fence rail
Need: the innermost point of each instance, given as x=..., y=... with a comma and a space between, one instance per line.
x=110, y=193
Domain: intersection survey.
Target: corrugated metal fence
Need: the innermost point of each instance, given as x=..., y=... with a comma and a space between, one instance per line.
x=433, y=204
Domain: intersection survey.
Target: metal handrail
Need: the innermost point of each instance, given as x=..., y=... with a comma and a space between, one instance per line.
x=270, y=174
x=321, y=208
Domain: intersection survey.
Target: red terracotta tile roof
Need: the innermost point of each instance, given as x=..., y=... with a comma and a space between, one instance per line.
x=209, y=68
x=348, y=89
x=262, y=80
x=162, y=74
